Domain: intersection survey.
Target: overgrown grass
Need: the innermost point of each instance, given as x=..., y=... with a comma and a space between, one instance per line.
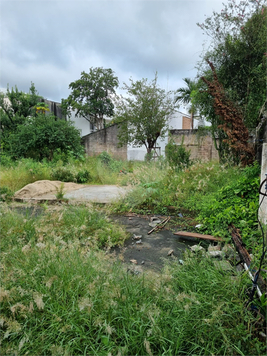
x=62, y=295
x=92, y=170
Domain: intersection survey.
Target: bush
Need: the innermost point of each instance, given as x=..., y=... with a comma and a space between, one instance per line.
x=6, y=194
x=63, y=174
x=40, y=137
x=83, y=176
x=105, y=158
x=235, y=203
x=177, y=156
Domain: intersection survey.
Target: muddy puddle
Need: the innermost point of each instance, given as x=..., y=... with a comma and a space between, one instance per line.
x=145, y=253
x=150, y=251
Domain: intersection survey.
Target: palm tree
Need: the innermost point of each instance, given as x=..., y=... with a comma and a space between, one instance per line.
x=184, y=95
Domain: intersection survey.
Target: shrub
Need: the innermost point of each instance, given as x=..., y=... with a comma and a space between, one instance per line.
x=6, y=194
x=105, y=158
x=83, y=176
x=177, y=156
x=40, y=137
x=63, y=174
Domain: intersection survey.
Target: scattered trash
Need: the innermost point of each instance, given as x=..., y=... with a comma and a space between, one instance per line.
x=180, y=215
x=198, y=226
x=143, y=262
x=139, y=242
x=159, y=226
x=181, y=262
x=170, y=253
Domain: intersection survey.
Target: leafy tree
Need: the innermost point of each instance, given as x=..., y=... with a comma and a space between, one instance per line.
x=185, y=95
x=238, y=53
x=144, y=114
x=15, y=107
x=42, y=135
x=239, y=56
x=220, y=25
x=91, y=96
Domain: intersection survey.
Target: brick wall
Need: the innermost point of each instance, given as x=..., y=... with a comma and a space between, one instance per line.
x=104, y=140
x=200, y=147
x=187, y=123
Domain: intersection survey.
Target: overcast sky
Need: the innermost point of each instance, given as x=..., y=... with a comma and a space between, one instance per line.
x=51, y=42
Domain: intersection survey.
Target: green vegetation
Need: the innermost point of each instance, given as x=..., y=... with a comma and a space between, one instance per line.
x=62, y=295
x=62, y=291
x=91, y=96
x=144, y=114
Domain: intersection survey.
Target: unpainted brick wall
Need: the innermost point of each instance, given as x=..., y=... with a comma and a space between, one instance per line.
x=200, y=147
x=105, y=140
x=187, y=123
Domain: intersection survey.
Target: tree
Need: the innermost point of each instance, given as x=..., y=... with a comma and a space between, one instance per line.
x=144, y=114
x=185, y=96
x=233, y=125
x=91, y=96
x=41, y=136
x=15, y=107
x=238, y=54
x=229, y=21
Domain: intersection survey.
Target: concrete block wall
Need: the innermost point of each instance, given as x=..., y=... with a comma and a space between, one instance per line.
x=105, y=140
x=200, y=147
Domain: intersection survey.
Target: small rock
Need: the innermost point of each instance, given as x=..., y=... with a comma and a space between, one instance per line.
x=170, y=253
x=223, y=265
x=197, y=248
x=217, y=254
x=137, y=237
x=154, y=221
x=228, y=251
x=133, y=261
x=214, y=248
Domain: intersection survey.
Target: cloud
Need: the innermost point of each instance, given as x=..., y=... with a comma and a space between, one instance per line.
x=51, y=42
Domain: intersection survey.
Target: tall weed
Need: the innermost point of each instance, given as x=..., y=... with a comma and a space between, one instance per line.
x=63, y=296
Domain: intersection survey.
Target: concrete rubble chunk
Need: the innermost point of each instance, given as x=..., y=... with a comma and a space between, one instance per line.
x=216, y=254
x=197, y=248
x=214, y=248
x=154, y=221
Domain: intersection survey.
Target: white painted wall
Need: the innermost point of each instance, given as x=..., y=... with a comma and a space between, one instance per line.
x=80, y=123
x=138, y=153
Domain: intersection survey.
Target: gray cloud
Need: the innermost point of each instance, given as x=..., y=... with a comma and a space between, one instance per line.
x=51, y=42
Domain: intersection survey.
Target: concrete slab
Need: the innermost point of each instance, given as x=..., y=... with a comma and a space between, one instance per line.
x=97, y=193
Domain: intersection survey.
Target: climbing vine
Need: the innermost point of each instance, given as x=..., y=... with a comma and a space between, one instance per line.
x=232, y=121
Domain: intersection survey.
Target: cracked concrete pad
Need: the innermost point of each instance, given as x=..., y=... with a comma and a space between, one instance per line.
x=97, y=193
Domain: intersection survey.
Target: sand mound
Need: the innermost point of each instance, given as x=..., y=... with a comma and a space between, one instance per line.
x=42, y=187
